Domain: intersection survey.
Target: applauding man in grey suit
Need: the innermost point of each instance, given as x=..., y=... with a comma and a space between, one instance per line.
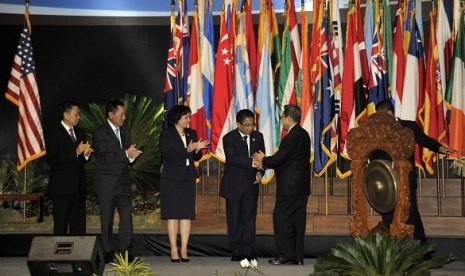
x=114, y=152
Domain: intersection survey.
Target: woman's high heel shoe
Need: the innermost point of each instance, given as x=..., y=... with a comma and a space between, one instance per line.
x=175, y=260
x=184, y=260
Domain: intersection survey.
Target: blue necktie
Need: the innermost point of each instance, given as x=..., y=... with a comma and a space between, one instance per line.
x=118, y=136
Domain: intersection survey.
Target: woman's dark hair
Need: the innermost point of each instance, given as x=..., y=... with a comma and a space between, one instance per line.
x=176, y=112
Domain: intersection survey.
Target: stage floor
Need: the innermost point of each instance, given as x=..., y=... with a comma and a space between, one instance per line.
x=215, y=266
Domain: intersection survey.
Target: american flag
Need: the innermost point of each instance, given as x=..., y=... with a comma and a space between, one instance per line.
x=23, y=91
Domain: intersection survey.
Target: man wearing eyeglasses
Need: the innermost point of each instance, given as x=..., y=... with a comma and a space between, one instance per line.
x=292, y=169
x=240, y=185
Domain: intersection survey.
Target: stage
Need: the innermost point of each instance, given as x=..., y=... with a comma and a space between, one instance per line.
x=216, y=266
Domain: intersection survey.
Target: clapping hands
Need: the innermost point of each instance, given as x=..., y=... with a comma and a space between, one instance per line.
x=133, y=152
x=201, y=144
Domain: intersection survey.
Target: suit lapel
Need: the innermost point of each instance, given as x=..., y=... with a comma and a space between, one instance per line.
x=111, y=133
x=66, y=133
x=240, y=141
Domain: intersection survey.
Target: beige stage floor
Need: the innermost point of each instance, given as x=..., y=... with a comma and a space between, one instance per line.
x=215, y=266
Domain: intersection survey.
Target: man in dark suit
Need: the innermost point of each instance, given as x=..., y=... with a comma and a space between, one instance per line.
x=425, y=141
x=292, y=168
x=67, y=150
x=240, y=185
x=114, y=152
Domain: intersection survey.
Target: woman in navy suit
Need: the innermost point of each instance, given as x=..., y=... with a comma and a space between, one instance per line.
x=179, y=148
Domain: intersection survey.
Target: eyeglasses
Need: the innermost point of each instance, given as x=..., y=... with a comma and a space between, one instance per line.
x=247, y=125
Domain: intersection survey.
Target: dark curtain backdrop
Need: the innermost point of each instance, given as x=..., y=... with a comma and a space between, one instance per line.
x=85, y=64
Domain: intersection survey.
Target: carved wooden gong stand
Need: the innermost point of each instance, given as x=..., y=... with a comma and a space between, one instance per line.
x=380, y=131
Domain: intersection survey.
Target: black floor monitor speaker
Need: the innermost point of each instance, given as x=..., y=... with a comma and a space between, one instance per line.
x=67, y=255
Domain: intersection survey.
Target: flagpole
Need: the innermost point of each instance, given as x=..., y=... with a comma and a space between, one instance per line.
x=26, y=15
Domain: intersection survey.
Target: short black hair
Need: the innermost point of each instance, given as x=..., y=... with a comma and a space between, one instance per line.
x=385, y=105
x=293, y=112
x=67, y=106
x=112, y=106
x=176, y=112
x=243, y=114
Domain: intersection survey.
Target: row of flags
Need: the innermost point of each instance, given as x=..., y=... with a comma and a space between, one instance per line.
x=336, y=79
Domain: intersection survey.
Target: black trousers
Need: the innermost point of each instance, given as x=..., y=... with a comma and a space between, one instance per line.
x=123, y=204
x=289, y=222
x=414, y=217
x=69, y=214
x=241, y=216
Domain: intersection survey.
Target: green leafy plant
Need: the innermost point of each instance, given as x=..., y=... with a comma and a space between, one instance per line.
x=379, y=255
x=12, y=181
x=124, y=267
x=144, y=120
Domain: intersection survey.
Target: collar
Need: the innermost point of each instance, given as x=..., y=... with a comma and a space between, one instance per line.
x=66, y=126
x=289, y=130
x=112, y=126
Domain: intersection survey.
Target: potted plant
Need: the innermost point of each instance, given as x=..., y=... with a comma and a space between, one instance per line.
x=378, y=255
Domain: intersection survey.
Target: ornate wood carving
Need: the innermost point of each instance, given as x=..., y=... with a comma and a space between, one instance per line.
x=380, y=131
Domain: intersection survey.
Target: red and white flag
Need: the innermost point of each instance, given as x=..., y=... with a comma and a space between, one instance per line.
x=24, y=92
x=223, y=116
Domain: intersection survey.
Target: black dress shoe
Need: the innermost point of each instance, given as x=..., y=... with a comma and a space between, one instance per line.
x=184, y=260
x=108, y=257
x=175, y=260
x=130, y=258
x=236, y=258
x=280, y=261
x=251, y=257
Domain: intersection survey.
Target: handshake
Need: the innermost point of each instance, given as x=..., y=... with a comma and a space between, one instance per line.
x=257, y=158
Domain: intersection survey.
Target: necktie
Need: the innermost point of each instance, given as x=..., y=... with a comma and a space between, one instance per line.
x=71, y=133
x=246, y=145
x=118, y=135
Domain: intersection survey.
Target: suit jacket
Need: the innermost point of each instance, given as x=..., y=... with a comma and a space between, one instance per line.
x=111, y=163
x=238, y=171
x=67, y=174
x=174, y=154
x=292, y=163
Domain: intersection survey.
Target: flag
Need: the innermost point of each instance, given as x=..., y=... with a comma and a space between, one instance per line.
x=194, y=86
x=369, y=27
x=182, y=52
x=413, y=89
x=354, y=85
x=378, y=82
x=324, y=103
x=433, y=113
x=413, y=97
x=243, y=95
x=23, y=91
x=223, y=119
x=445, y=44
x=268, y=13
x=306, y=100
x=455, y=92
x=291, y=52
x=387, y=43
x=336, y=66
x=251, y=43
x=398, y=64
x=170, y=96
x=265, y=101
x=207, y=64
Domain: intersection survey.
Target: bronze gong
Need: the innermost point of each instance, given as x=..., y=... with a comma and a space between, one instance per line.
x=381, y=185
